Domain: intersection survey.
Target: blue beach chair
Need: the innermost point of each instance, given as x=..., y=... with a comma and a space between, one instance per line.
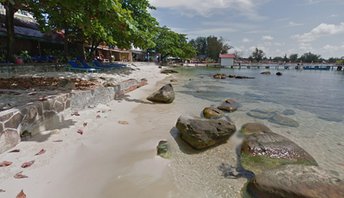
x=76, y=67
x=99, y=64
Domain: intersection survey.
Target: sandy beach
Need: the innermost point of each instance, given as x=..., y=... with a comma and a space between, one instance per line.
x=114, y=157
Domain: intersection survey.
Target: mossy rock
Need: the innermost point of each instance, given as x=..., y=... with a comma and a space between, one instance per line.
x=163, y=149
x=258, y=164
x=265, y=150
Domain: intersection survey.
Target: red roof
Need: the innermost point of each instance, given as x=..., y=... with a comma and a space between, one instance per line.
x=227, y=55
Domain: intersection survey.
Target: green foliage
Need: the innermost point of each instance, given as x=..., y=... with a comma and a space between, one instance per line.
x=170, y=43
x=293, y=58
x=210, y=47
x=257, y=55
x=310, y=58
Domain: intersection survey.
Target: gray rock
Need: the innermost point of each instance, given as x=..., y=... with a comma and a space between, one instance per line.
x=261, y=114
x=163, y=149
x=282, y=120
x=279, y=74
x=250, y=128
x=203, y=133
x=164, y=95
x=168, y=71
x=266, y=73
x=288, y=112
x=262, y=150
x=229, y=105
x=296, y=181
x=212, y=113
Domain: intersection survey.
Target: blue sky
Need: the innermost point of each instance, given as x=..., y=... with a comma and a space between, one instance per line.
x=278, y=27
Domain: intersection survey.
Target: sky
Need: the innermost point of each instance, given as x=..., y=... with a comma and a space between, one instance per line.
x=278, y=27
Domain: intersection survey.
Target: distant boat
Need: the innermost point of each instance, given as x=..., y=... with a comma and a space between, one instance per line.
x=323, y=68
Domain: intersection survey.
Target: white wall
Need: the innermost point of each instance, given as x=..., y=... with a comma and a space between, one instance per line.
x=227, y=61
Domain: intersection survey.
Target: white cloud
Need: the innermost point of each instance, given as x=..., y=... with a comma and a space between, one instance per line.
x=207, y=7
x=246, y=40
x=320, y=31
x=294, y=24
x=267, y=38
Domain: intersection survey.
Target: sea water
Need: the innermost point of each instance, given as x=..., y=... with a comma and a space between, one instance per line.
x=316, y=97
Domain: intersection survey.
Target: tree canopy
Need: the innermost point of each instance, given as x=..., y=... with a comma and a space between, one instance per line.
x=257, y=55
x=210, y=47
x=170, y=43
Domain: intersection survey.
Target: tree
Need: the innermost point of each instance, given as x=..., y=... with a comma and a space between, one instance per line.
x=93, y=22
x=285, y=58
x=257, y=55
x=170, y=43
x=210, y=47
x=278, y=59
x=310, y=57
x=293, y=58
x=201, y=46
x=216, y=46
x=11, y=7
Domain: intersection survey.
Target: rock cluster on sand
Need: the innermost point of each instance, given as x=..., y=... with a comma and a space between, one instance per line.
x=263, y=149
x=164, y=95
x=203, y=133
x=296, y=181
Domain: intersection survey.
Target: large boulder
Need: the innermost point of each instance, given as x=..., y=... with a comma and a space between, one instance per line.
x=296, y=181
x=164, y=95
x=229, y=105
x=262, y=150
x=212, y=113
x=282, y=120
x=203, y=133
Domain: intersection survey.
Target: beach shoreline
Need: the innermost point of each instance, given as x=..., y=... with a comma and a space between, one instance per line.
x=84, y=165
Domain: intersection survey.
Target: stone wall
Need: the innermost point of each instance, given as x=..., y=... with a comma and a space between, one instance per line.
x=14, y=122
x=32, y=118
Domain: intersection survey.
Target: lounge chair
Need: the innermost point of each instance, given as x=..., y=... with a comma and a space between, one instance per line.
x=99, y=64
x=75, y=66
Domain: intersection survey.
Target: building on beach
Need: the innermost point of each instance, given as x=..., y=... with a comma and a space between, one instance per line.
x=28, y=37
x=227, y=59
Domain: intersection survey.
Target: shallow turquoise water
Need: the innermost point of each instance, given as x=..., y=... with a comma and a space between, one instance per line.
x=318, y=92
x=316, y=97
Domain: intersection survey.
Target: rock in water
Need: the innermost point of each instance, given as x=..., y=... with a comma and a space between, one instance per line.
x=263, y=150
x=219, y=76
x=288, y=112
x=250, y=128
x=279, y=73
x=266, y=73
x=203, y=133
x=212, y=113
x=164, y=95
x=260, y=114
x=296, y=181
x=282, y=120
x=163, y=149
x=168, y=71
x=229, y=105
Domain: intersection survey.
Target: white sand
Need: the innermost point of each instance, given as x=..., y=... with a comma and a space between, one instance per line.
x=108, y=160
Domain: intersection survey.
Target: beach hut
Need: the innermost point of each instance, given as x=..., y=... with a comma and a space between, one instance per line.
x=227, y=59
